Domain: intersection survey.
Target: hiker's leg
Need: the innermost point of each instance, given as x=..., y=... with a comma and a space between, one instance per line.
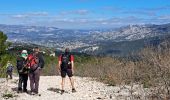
x=31, y=77
x=10, y=74
x=70, y=75
x=25, y=79
x=20, y=82
x=62, y=83
x=63, y=75
x=37, y=78
x=72, y=82
x=6, y=74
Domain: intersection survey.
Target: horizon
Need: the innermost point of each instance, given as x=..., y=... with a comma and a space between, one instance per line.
x=107, y=28
x=84, y=14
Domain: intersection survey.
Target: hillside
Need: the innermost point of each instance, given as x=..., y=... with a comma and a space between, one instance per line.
x=148, y=74
x=102, y=41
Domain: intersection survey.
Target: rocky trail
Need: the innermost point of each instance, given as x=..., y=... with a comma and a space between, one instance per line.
x=87, y=89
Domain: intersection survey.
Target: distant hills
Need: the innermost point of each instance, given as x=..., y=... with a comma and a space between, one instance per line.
x=120, y=41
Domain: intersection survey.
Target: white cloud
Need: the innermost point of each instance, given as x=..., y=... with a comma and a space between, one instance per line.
x=20, y=16
x=82, y=12
x=76, y=12
x=31, y=14
x=164, y=17
x=39, y=13
x=136, y=11
x=74, y=21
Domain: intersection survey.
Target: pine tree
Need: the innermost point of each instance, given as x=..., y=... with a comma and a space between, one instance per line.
x=4, y=57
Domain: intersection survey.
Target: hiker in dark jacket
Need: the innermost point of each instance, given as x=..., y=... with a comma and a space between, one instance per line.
x=9, y=70
x=22, y=71
x=66, y=67
x=36, y=65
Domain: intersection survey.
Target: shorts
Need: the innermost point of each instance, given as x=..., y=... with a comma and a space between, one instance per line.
x=68, y=72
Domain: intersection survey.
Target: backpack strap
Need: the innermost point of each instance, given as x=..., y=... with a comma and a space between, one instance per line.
x=69, y=55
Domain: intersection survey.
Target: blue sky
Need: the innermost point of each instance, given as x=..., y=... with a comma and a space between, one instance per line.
x=84, y=14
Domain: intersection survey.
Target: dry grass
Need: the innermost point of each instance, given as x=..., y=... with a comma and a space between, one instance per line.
x=152, y=70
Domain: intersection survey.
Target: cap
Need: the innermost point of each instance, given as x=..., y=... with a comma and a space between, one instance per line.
x=24, y=51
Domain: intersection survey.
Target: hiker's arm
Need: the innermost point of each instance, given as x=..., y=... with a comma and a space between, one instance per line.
x=41, y=58
x=72, y=66
x=18, y=65
x=72, y=63
x=12, y=67
x=59, y=64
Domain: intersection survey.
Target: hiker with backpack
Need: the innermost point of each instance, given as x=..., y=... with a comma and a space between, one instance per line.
x=22, y=71
x=66, y=66
x=36, y=63
x=9, y=69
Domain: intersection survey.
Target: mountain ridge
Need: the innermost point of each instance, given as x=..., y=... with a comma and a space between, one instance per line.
x=83, y=40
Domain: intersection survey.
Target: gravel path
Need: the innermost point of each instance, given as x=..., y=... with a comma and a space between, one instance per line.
x=87, y=89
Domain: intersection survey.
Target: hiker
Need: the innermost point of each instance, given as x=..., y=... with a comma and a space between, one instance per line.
x=22, y=71
x=9, y=69
x=36, y=63
x=66, y=66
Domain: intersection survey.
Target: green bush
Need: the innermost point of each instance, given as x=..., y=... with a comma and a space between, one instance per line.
x=4, y=56
x=7, y=96
x=50, y=65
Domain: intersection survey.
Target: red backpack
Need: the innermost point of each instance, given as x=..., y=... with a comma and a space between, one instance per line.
x=32, y=60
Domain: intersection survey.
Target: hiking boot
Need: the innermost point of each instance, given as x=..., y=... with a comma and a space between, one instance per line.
x=62, y=91
x=25, y=91
x=36, y=94
x=19, y=90
x=33, y=93
x=73, y=90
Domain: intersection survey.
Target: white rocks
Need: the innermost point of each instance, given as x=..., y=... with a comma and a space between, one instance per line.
x=86, y=90
x=2, y=80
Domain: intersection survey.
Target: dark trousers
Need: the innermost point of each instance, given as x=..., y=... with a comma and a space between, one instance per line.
x=9, y=74
x=34, y=80
x=23, y=78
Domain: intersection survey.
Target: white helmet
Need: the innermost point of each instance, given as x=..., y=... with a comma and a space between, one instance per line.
x=24, y=51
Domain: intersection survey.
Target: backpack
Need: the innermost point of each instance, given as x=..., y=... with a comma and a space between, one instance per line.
x=65, y=61
x=9, y=68
x=32, y=62
x=20, y=63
